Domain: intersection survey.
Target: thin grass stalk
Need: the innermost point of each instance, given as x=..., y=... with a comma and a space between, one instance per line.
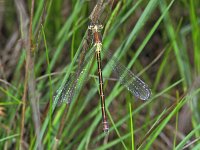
x=24, y=34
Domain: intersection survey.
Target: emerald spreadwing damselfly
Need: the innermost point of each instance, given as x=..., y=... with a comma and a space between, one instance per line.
x=132, y=83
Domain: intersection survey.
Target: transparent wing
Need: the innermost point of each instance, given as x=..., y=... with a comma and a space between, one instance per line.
x=66, y=93
x=134, y=84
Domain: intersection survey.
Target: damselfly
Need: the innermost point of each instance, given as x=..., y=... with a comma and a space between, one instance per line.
x=134, y=84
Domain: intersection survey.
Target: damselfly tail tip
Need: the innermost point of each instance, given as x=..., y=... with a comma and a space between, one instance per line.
x=106, y=131
x=105, y=127
x=56, y=139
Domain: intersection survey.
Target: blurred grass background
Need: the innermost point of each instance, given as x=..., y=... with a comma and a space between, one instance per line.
x=159, y=40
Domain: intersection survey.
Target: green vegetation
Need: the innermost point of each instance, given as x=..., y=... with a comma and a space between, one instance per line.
x=41, y=47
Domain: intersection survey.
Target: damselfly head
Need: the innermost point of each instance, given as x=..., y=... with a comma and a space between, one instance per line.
x=95, y=27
